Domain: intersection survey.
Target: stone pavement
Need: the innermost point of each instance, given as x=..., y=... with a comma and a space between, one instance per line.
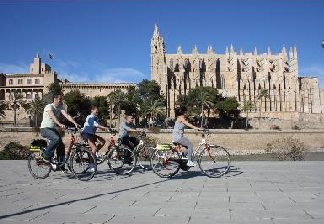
x=253, y=192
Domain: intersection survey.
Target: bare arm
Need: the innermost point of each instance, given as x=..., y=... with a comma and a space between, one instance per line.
x=54, y=119
x=185, y=122
x=67, y=116
x=102, y=127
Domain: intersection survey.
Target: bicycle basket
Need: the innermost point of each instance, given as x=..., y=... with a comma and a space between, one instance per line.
x=164, y=147
x=37, y=144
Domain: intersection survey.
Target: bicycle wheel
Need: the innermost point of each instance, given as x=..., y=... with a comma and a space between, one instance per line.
x=82, y=163
x=115, y=158
x=38, y=168
x=102, y=157
x=163, y=164
x=214, y=161
x=122, y=160
x=143, y=156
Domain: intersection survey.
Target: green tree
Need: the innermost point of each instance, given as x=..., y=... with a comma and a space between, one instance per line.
x=149, y=90
x=247, y=107
x=154, y=109
x=34, y=108
x=228, y=107
x=14, y=102
x=102, y=104
x=3, y=107
x=199, y=100
x=263, y=94
x=116, y=100
x=55, y=88
x=78, y=105
x=132, y=102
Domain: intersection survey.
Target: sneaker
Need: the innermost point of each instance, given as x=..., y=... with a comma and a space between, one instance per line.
x=44, y=157
x=91, y=167
x=191, y=164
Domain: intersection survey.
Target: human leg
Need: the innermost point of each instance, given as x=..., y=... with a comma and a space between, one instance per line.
x=54, y=141
x=187, y=143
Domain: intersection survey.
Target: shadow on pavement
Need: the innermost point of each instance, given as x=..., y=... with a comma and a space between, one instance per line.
x=233, y=171
x=81, y=199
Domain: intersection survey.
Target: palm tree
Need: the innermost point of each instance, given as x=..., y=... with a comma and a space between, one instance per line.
x=14, y=102
x=116, y=99
x=154, y=109
x=247, y=106
x=2, y=109
x=205, y=100
x=263, y=93
x=35, y=108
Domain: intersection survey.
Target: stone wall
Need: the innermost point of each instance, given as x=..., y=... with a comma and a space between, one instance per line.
x=238, y=141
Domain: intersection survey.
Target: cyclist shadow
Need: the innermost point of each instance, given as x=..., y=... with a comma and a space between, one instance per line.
x=232, y=172
x=104, y=174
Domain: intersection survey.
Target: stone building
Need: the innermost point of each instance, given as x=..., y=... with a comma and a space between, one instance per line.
x=29, y=85
x=95, y=89
x=237, y=74
x=35, y=84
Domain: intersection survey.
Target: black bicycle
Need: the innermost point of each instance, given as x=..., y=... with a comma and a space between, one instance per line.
x=124, y=160
x=168, y=159
x=81, y=162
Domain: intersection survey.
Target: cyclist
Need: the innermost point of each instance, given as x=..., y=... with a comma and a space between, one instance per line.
x=125, y=128
x=50, y=128
x=89, y=131
x=177, y=134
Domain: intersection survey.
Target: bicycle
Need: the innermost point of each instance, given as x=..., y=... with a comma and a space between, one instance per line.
x=168, y=159
x=80, y=163
x=111, y=143
x=117, y=155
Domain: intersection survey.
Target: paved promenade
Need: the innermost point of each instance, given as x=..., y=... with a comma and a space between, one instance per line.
x=253, y=192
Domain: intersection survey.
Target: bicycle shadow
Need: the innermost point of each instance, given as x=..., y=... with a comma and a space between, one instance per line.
x=232, y=172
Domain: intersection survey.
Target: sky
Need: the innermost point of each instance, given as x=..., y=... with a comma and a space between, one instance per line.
x=109, y=41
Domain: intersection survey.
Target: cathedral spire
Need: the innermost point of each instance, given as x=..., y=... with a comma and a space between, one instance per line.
x=195, y=50
x=226, y=50
x=284, y=51
x=255, y=51
x=295, y=52
x=291, y=54
x=269, y=51
x=37, y=55
x=210, y=50
x=156, y=31
x=232, y=49
x=179, y=50
x=241, y=51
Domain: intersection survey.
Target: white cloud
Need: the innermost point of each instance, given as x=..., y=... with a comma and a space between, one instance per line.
x=66, y=64
x=111, y=75
x=14, y=68
x=313, y=70
x=120, y=75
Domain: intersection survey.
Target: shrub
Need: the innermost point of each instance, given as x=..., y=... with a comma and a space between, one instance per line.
x=149, y=141
x=14, y=151
x=295, y=127
x=287, y=149
x=275, y=127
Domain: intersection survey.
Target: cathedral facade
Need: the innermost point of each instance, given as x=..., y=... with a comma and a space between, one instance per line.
x=237, y=74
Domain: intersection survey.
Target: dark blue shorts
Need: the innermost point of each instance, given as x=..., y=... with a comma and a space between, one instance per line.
x=87, y=136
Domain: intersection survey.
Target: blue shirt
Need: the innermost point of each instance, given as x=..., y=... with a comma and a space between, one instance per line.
x=90, y=125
